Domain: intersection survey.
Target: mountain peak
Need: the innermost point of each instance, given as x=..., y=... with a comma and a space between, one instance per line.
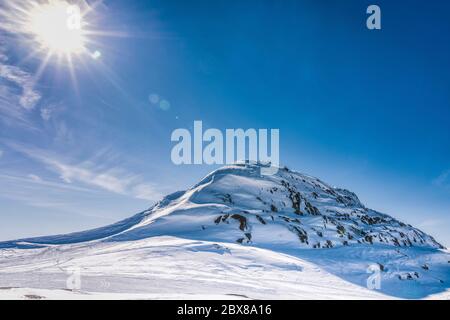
x=237, y=204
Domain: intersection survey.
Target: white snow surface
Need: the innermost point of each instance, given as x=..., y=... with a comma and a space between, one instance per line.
x=235, y=235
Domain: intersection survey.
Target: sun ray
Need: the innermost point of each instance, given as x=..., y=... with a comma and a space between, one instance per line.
x=73, y=75
x=55, y=26
x=102, y=33
x=42, y=66
x=63, y=33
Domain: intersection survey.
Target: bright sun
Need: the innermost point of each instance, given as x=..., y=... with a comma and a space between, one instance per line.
x=58, y=27
x=63, y=29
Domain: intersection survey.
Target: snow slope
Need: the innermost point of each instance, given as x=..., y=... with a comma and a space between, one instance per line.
x=162, y=267
x=305, y=239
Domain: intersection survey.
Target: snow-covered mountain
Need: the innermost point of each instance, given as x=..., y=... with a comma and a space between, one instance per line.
x=236, y=209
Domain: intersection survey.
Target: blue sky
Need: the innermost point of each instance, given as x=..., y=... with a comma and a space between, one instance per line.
x=365, y=110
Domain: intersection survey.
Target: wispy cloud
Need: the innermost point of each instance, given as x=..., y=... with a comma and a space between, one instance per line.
x=37, y=181
x=15, y=76
x=34, y=177
x=430, y=223
x=32, y=190
x=51, y=111
x=18, y=95
x=144, y=191
x=106, y=177
x=46, y=114
x=443, y=180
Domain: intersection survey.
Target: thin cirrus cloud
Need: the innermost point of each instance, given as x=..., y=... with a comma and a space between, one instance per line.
x=24, y=81
x=31, y=189
x=57, y=196
x=35, y=177
x=443, y=180
x=17, y=93
x=46, y=114
x=109, y=178
x=31, y=180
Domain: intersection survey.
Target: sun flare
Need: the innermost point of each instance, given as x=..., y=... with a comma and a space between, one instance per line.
x=58, y=27
x=63, y=34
